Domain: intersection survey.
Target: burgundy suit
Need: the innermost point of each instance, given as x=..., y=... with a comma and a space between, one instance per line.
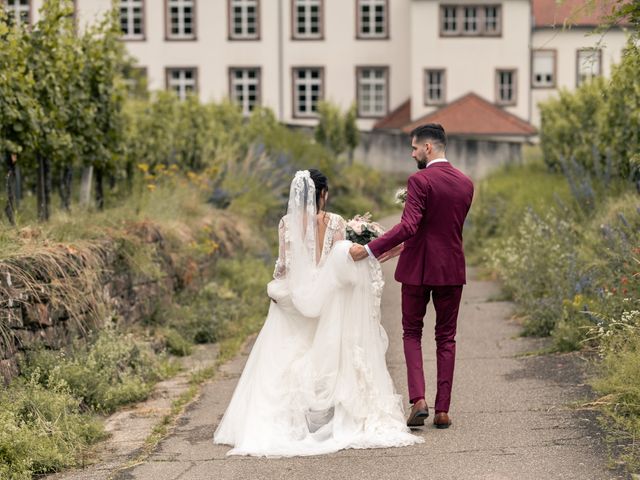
x=431, y=264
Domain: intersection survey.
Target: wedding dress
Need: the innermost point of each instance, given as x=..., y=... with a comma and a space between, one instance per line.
x=316, y=380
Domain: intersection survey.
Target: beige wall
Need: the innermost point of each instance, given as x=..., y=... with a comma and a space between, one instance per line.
x=470, y=62
x=212, y=53
x=566, y=45
x=414, y=44
x=340, y=52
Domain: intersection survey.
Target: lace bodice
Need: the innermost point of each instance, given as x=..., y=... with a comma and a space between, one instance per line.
x=336, y=230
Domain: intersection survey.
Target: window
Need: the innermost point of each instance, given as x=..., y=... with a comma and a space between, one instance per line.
x=307, y=19
x=131, y=19
x=245, y=88
x=181, y=18
x=183, y=81
x=307, y=91
x=434, y=92
x=244, y=20
x=470, y=20
x=19, y=11
x=506, y=87
x=492, y=20
x=449, y=19
x=544, y=69
x=589, y=65
x=372, y=91
x=475, y=20
x=372, y=17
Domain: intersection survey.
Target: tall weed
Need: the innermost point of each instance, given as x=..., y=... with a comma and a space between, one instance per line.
x=111, y=371
x=42, y=427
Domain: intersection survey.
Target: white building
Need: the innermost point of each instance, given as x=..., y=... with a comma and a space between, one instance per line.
x=401, y=61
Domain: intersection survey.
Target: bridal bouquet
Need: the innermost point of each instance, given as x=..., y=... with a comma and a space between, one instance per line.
x=360, y=229
x=401, y=196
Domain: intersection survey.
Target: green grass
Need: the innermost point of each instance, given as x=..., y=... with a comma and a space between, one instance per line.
x=43, y=428
x=112, y=370
x=501, y=200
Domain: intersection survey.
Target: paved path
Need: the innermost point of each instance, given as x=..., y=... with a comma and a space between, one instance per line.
x=510, y=414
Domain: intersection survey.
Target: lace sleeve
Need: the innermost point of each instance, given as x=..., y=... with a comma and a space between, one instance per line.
x=340, y=228
x=280, y=271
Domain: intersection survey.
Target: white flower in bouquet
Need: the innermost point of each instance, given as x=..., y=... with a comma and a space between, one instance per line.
x=360, y=229
x=401, y=196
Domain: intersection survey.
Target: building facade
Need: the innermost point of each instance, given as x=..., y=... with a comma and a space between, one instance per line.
x=415, y=57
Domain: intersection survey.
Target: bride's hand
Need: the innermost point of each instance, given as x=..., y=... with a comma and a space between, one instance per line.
x=394, y=252
x=358, y=252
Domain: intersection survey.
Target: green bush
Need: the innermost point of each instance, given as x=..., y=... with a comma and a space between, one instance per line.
x=42, y=428
x=618, y=381
x=502, y=199
x=232, y=306
x=597, y=125
x=570, y=124
x=620, y=132
x=113, y=370
x=175, y=343
x=535, y=266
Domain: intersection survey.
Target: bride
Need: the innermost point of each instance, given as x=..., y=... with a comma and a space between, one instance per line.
x=316, y=380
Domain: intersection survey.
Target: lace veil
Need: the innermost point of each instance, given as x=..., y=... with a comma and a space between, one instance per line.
x=300, y=231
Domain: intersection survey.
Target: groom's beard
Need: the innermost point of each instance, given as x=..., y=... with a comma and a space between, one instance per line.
x=422, y=164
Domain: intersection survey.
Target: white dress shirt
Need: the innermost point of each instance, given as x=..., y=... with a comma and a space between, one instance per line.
x=437, y=160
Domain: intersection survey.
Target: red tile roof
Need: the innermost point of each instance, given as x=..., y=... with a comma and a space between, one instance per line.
x=473, y=115
x=554, y=13
x=397, y=118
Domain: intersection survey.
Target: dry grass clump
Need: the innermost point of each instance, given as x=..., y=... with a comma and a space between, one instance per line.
x=61, y=281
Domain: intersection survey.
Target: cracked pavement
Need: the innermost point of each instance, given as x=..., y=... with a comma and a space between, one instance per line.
x=511, y=414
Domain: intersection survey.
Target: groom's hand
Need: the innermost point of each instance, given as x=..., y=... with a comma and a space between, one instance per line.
x=394, y=252
x=358, y=252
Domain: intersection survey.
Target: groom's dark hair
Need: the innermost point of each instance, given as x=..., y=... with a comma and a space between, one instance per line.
x=431, y=132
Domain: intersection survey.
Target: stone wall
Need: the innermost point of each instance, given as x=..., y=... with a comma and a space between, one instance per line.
x=35, y=319
x=390, y=151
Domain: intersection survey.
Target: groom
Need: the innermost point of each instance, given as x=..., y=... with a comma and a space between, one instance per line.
x=431, y=264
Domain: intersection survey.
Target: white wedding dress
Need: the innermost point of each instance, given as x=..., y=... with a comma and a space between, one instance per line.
x=316, y=380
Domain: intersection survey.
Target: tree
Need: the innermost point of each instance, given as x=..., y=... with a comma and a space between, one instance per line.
x=104, y=65
x=351, y=132
x=624, y=11
x=193, y=140
x=620, y=131
x=335, y=130
x=50, y=60
x=18, y=109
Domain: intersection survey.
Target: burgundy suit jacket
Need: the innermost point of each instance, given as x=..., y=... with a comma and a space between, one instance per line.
x=438, y=200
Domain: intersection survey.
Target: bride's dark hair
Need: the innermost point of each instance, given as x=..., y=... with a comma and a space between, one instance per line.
x=321, y=183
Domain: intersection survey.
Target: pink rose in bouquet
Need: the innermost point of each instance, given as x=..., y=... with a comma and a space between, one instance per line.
x=361, y=230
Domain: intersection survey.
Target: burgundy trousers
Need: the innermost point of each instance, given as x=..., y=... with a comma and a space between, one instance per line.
x=446, y=300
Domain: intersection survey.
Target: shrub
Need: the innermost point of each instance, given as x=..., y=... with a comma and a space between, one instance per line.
x=113, y=370
x=597, y=123
x=233, y=305
x=502, y=199
x=42, y=428
x=175, y=343
x=537, y=265
x=618, y=380
x=570, y=124
x=620, y=132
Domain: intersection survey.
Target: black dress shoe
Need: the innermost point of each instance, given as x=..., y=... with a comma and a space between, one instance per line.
x=418, y=413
